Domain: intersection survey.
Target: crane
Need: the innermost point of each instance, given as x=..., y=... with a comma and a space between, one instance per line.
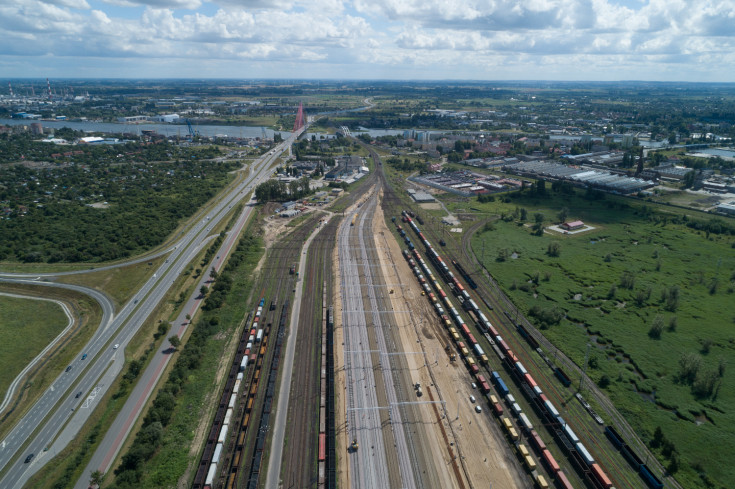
x=192, y=132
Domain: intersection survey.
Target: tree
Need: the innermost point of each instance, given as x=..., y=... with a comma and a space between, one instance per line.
x=658, y=437
x=656, y=327
x=627, y=280
x=524, y=214
x=175, y=341
x=95, y=478
x=689, y=364
x=670, y=296
x=688, y=179
x=540, y=188
x=162, y=330
x=673, y=466
x=213, y=274
x=672, y=324
x=554, y=249
x=203, y=290
x=613, y=290
x=563, y=214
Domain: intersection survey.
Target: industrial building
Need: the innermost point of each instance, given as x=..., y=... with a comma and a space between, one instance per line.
x=465, y=183
x=581, y=176
x=726, y=208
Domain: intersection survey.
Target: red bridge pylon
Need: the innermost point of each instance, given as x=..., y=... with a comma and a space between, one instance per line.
x=299, y=122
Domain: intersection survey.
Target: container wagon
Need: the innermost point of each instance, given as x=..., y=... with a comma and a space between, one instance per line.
x=601, y=477
x=550, y=461
x=501, y=387
x=562, y=482
x=322, y=447
x=484, y=386
x=571, y=434
x=541, y=482
x=650, y=479
x=522, y=450
x=563, y=377
x=524, y=422
x=209, y=481
x=614, y=437
x=582, y=450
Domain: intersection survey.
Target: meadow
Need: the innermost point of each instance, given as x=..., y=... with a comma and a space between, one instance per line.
x=27, y=327
x=655, y=299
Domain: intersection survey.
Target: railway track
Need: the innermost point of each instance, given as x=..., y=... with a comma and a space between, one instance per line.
x=307, y=421
x=615, y=463
x=302, y=433
x=276, y=284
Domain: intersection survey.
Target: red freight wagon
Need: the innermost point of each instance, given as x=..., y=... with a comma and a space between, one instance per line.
x=529, y=380
x=537, y=441
x=601, y=476
x=562, y=481
x=322, y=447
x=550, y=461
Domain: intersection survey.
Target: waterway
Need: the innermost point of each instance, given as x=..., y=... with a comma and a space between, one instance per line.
x=168, y=130
x=721, y=152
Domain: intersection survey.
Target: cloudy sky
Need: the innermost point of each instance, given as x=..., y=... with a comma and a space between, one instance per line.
x=667, y=40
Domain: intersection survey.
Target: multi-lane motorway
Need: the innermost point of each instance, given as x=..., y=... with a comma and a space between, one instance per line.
x=58, y=414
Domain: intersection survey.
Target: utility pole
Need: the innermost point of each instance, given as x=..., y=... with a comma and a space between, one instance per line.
x=584, y=369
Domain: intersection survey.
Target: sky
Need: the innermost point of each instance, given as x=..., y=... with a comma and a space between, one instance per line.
x=586, y=40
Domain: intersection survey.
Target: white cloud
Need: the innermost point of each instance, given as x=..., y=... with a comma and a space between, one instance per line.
x=449, y=38
x=185, y=4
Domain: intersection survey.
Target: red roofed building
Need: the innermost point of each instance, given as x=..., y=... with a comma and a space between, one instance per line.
x=569, y=226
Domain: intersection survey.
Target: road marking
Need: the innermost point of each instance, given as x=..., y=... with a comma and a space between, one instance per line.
x=91, y=397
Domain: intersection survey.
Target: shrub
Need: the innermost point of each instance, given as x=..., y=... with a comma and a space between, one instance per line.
x=656, y=327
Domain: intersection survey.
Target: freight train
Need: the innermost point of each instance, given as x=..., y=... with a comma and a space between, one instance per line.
x=550, y=416
x=213, y=461
x=633, y=459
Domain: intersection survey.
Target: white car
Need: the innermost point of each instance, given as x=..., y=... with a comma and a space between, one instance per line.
x=472, y=399
x=117, y=345
x=478, y=409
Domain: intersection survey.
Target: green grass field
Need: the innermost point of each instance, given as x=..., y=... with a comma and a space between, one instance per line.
x=27, y=326
x=584, y=283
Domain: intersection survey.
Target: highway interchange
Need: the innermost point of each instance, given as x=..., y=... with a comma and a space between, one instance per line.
x=43, y=425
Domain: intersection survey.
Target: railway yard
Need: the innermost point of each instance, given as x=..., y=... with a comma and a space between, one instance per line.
x=409, y=370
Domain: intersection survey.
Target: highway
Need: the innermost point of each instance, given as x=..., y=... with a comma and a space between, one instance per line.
x=44, y=422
